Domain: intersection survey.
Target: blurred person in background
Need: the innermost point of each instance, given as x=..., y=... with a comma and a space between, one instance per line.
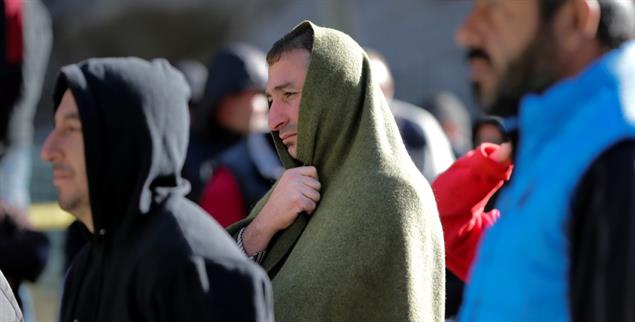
x=233, y=105
x=466, y=194
x=488, y=132
x=488, y=129
x=425, y=141
x=350, y=231
x=454, y=118
x=29, y=40
x=460, y=182
x=244, y=174
x=563, y=246
x=117, y=149
x=25, y=45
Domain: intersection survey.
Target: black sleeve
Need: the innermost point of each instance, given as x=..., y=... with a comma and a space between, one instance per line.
x=206, y=291
x=23, y=252
x=245, y=294
x=602, y=232
x=453, y=294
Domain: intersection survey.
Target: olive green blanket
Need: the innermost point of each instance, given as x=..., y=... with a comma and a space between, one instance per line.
x=373, y=248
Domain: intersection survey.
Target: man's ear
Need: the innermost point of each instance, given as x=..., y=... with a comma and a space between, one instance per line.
x=575, y=23
x=588, y=17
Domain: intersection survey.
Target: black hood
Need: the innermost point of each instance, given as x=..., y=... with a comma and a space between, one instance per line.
x=233, y=69
x=135, y=124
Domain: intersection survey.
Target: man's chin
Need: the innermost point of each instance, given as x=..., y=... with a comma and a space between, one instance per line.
x=497, y=105
x=486, y=101
x=63, y=204
x=504, y=107
x=292, y=152
x=67, y=204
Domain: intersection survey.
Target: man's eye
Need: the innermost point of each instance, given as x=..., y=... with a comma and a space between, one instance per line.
x=288, y=94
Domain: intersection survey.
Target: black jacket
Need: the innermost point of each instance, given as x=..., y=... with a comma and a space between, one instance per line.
x=155, y=256
x=602, y=234
x=255, y=164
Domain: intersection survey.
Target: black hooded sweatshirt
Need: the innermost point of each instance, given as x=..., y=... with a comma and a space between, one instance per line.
x=155, y=256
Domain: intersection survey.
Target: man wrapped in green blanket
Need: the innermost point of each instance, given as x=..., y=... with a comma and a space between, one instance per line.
x=350, y=232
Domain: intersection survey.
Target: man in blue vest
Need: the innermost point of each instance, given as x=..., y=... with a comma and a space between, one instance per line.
x=564, y=246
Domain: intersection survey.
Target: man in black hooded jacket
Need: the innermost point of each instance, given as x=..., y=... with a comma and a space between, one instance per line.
x=117, y=149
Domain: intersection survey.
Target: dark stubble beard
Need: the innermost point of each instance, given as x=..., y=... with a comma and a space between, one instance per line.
x=533, y=72
x=70, y=204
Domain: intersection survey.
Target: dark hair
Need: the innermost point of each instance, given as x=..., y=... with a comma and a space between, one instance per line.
x=298, y=38
x=489, y=120
x=617, y=19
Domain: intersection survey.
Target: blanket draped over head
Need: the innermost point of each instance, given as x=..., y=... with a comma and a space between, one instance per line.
x=373, y=248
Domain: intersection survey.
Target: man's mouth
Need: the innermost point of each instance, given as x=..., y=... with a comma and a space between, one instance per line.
x=286, y=137
x=476, y=53
x=61, y=173
x=478, y=67
x=61, y=176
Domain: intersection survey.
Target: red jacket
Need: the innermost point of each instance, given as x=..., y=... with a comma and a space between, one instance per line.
x=462, y=192
x=222, y=198
x=13, y=24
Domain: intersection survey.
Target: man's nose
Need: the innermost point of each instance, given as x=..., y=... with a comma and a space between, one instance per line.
x=466, y=35
x=277, y=119
x=50, y=152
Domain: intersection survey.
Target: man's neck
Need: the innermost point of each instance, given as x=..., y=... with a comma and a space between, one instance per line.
x=86, y=217
x=574, y=64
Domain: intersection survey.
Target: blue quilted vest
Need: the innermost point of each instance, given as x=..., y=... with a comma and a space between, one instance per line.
x=521, y=270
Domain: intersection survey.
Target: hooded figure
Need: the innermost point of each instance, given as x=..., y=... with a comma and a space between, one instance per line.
x=152, y=254
x=237, y=70
x=372, y=250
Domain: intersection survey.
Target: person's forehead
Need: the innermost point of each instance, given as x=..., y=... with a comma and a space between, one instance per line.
x=499, y=2
x=297, y=59
x=288, y=69
x=298, y=54
x=67, y=108
x=516, y=8
x=488, y=127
